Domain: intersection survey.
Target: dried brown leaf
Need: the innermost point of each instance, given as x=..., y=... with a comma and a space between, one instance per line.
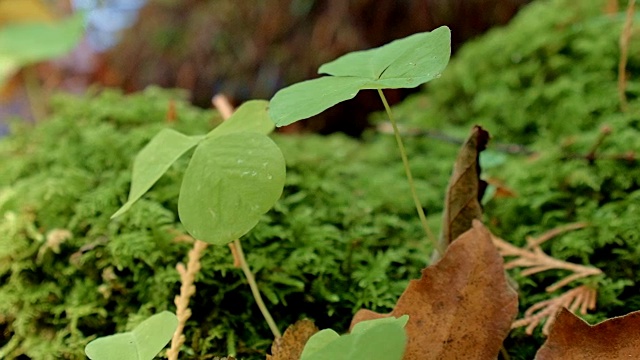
x=465, y=190
x=462, y=305
x=291, y=344
x=573, y=339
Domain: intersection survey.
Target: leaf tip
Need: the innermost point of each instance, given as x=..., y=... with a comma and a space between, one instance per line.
x=123, y=209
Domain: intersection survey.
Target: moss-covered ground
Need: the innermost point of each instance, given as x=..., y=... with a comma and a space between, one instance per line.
x=344, y=235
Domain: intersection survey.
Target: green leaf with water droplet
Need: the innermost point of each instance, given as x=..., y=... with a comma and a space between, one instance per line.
x=231, y=181
x=143, y=343
x=404, y=63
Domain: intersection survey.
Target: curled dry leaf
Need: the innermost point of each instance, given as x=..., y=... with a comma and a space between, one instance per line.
x=461, y=305
x=573, y=339
x=465, y=190
x=291, y=344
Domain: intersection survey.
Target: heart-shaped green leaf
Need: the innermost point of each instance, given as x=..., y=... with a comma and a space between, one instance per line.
x=143, y=343
x=154, y=160
x=231, y=181
x=252, y=116
x=404, y=63
x=167, y=147
x=369, y=340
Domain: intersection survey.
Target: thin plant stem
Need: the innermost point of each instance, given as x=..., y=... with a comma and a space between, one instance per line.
x=256, y=292
x=222, y=104
x=407, y=170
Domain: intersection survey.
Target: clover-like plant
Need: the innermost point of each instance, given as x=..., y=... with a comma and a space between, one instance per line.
x=404, y=63
x=235, y=175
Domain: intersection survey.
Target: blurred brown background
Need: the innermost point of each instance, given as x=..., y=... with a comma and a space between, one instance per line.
x=251, y=48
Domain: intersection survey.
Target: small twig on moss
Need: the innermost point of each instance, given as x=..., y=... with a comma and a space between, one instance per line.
x=625, y=37
x=515, y=149
x=604, y=132
x=582, y=298
x=187, y=289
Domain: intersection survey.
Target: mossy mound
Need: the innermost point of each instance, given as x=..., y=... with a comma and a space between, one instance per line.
x=343, y=236
x=548, y=82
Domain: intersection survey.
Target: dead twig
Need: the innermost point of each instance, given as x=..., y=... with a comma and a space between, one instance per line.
x=515, y=149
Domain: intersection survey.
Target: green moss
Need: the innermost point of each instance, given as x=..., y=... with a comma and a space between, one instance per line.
x=343, y=236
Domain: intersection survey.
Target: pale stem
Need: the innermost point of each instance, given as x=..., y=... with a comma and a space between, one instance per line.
x=223, y=105
x=407, y=170
x=256, y=292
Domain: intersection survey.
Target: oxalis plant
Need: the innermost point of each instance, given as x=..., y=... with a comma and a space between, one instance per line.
x=237, y=173
x=404, y=63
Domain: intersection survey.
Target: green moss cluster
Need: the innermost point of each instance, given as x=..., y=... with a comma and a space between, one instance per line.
x=344, y=235
x=548, y=81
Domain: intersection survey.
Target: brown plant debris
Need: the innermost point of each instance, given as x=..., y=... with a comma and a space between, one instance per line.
x=465, y=190
x=535, y=260
x=571, y=338
x=461, y=305
x=534, y=242
x=55, y=238
x=291, y=344
x=582, y=298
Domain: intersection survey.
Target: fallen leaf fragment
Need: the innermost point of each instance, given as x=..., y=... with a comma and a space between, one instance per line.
x=462, y=306
x=291, y=344
x=571, y=338
x=465, y=190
